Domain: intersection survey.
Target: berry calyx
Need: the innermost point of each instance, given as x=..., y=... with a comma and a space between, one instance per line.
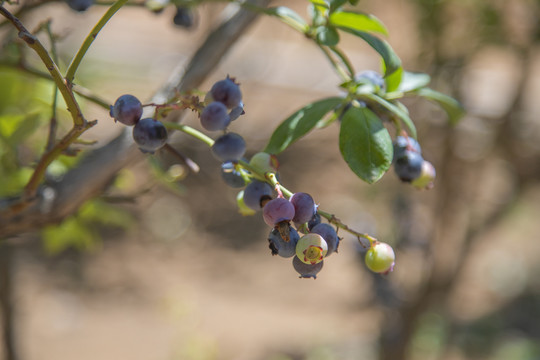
x=311, y=248
x=279, y=246
x=380, y=258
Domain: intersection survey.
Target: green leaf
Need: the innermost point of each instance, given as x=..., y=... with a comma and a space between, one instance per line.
x=322, y=3
x=391, y=61
x=357, y=21
x=327, y=36
x=336, y=4
x=289, y=17
x=365, y=144
x=413, y=81
x=299, y=124
x=398, y=110
x=393, y=80
x=452, y=107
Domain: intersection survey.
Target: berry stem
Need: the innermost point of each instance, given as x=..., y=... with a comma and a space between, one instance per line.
x=271, y=178
x=72, y=69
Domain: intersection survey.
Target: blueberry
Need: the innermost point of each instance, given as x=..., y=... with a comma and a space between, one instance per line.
x=231, y=176
x=277, y=210
x=184, y=17
x=402, y=144
x=315, y=220
x=127, y=109
x=370, y=76
x=227, y=92
x=306, y=270
x=80, y=5
x=311, y=248
x=280, y=247
x=229, y=147
x=256, y=193
x=149, y=135
x=426, y=178
x=329, y=235
x=409, y=166
x=214, y=117
x=304, y=207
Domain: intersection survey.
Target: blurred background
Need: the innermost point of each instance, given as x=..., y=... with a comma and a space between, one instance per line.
x=162, y=266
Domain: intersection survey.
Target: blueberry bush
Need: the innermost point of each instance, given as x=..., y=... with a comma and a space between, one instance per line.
x=377, y=135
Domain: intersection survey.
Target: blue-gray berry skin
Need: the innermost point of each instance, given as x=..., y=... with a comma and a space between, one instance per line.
x=280, y=247
x=409, y=166
x=306, y=270
x=372, y=77
x=304, y=207
x=184, y=17
x=329, y=235
x=80, y=5
x=236, y=112
x=255, y=193
x=215, y=117
x=231, y=176
x=229, y=147
x=227, y=92
x=127, y=109
x=403, y=144
x=149, y=135
x=315, y=220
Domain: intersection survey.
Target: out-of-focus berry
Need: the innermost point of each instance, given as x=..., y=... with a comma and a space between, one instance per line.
x=149, y=135
x=227, y=92
x=229, y=147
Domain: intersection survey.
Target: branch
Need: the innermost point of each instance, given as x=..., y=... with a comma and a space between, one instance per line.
x=35, y=44
x=96, y=170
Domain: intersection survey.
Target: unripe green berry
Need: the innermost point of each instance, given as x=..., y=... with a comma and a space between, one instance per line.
x=426, y=178
x=264, y=162
x=380, y=258
x=311, y=248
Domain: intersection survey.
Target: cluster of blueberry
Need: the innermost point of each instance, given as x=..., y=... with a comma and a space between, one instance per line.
x=149, y=134
x=287, y=217
x=410, y=166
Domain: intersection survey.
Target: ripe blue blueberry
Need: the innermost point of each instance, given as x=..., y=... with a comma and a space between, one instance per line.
x=149, y=135
x=256, y=193
x=184, y=17
x=329, y=235
x=280, y=247
x=231, y=176
x=403, y=144
x=304, y=207
x=80, y=5
x=214, y=117
x=306, y=270
x=370, y=76
x=227, y=92
x=229, y=147
x=409, y=166
x=277, y=210
x=315, y=220
x=127, y=109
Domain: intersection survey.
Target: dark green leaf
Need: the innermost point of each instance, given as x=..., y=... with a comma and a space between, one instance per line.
x=289, y=17
x=391, y=61
x=299, y=124
x=336, y=4
x=327, y=36
x=452, y=107
x=357, y=21
x=398, y=110
x=365, y=144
